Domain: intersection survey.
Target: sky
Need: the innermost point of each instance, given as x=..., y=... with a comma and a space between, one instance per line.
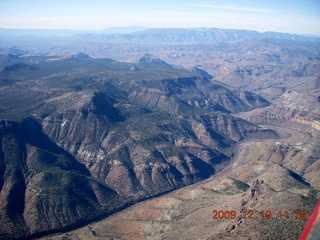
x=290, y=16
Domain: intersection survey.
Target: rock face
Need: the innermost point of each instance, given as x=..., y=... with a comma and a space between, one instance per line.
x=279, y=115
x=249, y=201
x=97, y=136
x=172, y=95
x=173, y=153
x=42, y=186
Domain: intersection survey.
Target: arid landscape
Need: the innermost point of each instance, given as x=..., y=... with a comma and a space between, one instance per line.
x=153, y=134
x=187, y=213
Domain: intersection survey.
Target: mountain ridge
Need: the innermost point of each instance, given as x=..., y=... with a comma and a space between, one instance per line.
x=205, y=31
x=126, y=131
x=157, y=118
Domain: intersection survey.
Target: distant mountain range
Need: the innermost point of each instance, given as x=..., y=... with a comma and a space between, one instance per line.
x=154, y=35
x=198, y=35
x=10, y=32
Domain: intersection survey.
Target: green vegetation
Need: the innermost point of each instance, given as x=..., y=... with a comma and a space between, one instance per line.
x=241, y=185
x=312, y=199
x=282, y=229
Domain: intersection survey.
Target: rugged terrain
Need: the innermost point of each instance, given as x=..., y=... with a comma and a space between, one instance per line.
x=258, y=179
x=265, y=175
x=133, y=130
x=85, y=137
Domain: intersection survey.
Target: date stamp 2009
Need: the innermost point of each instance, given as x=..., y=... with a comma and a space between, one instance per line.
x=264, y=214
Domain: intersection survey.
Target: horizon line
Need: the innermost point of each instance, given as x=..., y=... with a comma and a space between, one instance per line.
x=143, y=28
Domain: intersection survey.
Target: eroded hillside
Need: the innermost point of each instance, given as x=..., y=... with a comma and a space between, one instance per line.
x=268, y=186
x=134, y=131
x=83, y=137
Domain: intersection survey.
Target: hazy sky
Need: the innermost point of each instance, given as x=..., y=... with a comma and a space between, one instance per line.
x=292, y=16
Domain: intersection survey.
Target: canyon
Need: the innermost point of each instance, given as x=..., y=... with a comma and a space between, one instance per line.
x=144, y=135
